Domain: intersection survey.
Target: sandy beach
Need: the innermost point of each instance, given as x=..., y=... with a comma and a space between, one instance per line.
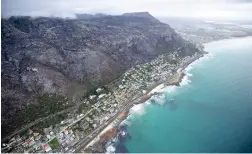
x=157, y=89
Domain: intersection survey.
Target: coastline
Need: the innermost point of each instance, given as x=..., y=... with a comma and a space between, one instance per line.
x=164, y=124
x=156, y=89
x=182, y=70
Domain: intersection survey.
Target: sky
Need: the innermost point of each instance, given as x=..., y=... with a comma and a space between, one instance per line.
x=204, y=9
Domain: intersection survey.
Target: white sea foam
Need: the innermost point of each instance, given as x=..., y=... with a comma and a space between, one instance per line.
x=159, y=88
x=185, y=80
x=197, y=63
x=160, y=99
x=125, y=121
x=189, y=74
x=188, y=68
x=137, y=109
x=110, y=149
x=147, y=102
x=170, y=89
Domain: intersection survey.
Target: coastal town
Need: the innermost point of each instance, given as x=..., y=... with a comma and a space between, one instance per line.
x=82, y=129
x=126, y=76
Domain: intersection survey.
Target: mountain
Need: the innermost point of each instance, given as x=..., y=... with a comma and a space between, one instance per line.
x=47, y=61
x=89, y=16
x=141, y=14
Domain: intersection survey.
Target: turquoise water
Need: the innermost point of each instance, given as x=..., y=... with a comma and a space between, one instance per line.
x=212, y=113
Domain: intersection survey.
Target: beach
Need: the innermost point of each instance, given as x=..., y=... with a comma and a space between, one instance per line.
x=211, y=114
x=156, y=89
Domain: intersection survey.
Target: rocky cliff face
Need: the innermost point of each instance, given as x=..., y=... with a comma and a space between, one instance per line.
x=68, y=57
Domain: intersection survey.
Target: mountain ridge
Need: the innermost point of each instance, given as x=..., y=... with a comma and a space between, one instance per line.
x=69, y=57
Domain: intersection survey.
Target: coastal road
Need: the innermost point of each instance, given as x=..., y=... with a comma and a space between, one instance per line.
x=42, y=119
x=82, y=144
x=73, y=123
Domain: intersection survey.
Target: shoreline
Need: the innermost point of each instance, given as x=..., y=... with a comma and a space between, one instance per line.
x=124, y=141
x=156, y=89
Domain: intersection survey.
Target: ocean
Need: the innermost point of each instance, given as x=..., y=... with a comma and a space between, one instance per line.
x=210, y=112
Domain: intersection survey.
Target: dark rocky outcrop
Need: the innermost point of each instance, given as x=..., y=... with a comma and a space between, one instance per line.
x=68, y=57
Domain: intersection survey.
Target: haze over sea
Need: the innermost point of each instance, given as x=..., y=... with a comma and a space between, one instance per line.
x=210, y=112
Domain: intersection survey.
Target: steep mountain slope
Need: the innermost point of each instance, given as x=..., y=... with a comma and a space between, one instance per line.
x=69, y=57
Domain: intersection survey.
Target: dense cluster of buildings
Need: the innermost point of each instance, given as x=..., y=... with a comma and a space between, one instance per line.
x=101, y=105
x=34, y=142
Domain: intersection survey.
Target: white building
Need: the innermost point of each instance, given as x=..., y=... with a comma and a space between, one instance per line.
x=99, y=90
x=92, y=96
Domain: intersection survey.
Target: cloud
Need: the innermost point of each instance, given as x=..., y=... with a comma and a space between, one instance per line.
x=221, y=9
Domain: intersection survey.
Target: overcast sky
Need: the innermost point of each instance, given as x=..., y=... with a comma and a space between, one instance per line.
x=207, y=9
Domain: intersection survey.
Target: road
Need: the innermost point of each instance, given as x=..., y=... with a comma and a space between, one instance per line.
x=42, y=119
x=74, y=122
x=37, y=121
x=82, y=144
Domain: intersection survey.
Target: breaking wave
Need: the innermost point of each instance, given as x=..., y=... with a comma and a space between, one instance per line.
x=139, y=109
x=186, y=79
x=110, y=149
